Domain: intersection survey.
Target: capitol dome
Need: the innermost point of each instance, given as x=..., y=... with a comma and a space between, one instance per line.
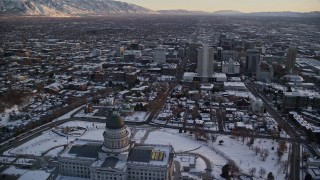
x=114, y=122
x=115, y=135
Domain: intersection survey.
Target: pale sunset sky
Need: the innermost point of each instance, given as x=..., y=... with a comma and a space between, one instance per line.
x=239, y=5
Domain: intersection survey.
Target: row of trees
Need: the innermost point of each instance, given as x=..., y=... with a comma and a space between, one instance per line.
x=13, y=97
x=230, y=170
x=140, y=107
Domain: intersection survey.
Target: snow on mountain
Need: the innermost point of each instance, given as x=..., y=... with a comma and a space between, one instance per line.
x=69, y=7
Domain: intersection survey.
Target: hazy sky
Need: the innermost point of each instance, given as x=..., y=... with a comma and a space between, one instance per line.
x=240, y=5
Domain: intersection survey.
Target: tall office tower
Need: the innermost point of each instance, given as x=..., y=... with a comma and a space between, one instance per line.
x=219, y=53
x=228, y=54
x=252, y=60
x=227, y=44
x=222, y=36
x=159, y=55
x=193, y=52
x=205, y=61
x=291, y=59
x=248, y=45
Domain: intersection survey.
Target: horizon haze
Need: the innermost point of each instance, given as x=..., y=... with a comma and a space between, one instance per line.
x=245, y=6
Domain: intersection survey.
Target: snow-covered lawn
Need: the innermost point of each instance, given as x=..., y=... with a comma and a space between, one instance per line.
x=83, y=114
x=200, y=166
x=138, y=116
x=35, y=175
x=139, y=135
x=182, y=142
x=49, y=139
x=12, y=170
x=69, y=178
x=54, y=152
x=38, y=145
x=244, y=157
x=218, y=155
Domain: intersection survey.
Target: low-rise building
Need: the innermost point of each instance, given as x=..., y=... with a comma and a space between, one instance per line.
x=295, y=100
x=230, y=67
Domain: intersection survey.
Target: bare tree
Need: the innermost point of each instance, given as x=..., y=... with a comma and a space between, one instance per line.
x=176, y=110
x=200, y=133
x=262, y=172
x=214, y=138
x=264, y=153
x=252, y=171
x=250, y=142
x=256, y=150
x=284, y=165
x=195, y=112
x=282, y=147
x=270, y=176
x=234, y=170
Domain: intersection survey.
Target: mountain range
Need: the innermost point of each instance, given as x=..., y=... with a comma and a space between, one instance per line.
x=111, y=7
x=69, y=8
x=238, y=13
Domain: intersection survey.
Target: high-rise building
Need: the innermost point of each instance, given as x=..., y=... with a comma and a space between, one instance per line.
x=219, y=53
x=205, y=61
x=159, y=55
x=252, y=60
x=291, y=59
x=270, y=59
x=225, y=42
x=248, y=45
x=264, y=72
x=228, y=54
x=193, y=52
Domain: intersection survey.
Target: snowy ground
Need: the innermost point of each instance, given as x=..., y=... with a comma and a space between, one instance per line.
x=12, y=170
x=70, y=178
x=200, y=166
x=4, y=117
x=138, y=116
x=49, y=139
x=183, y=142
x=232, y=149
x=83, y=114
x=139, y=135
x=51, y=143
x=54, y=152
x=246, y=158
x=35, y=175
